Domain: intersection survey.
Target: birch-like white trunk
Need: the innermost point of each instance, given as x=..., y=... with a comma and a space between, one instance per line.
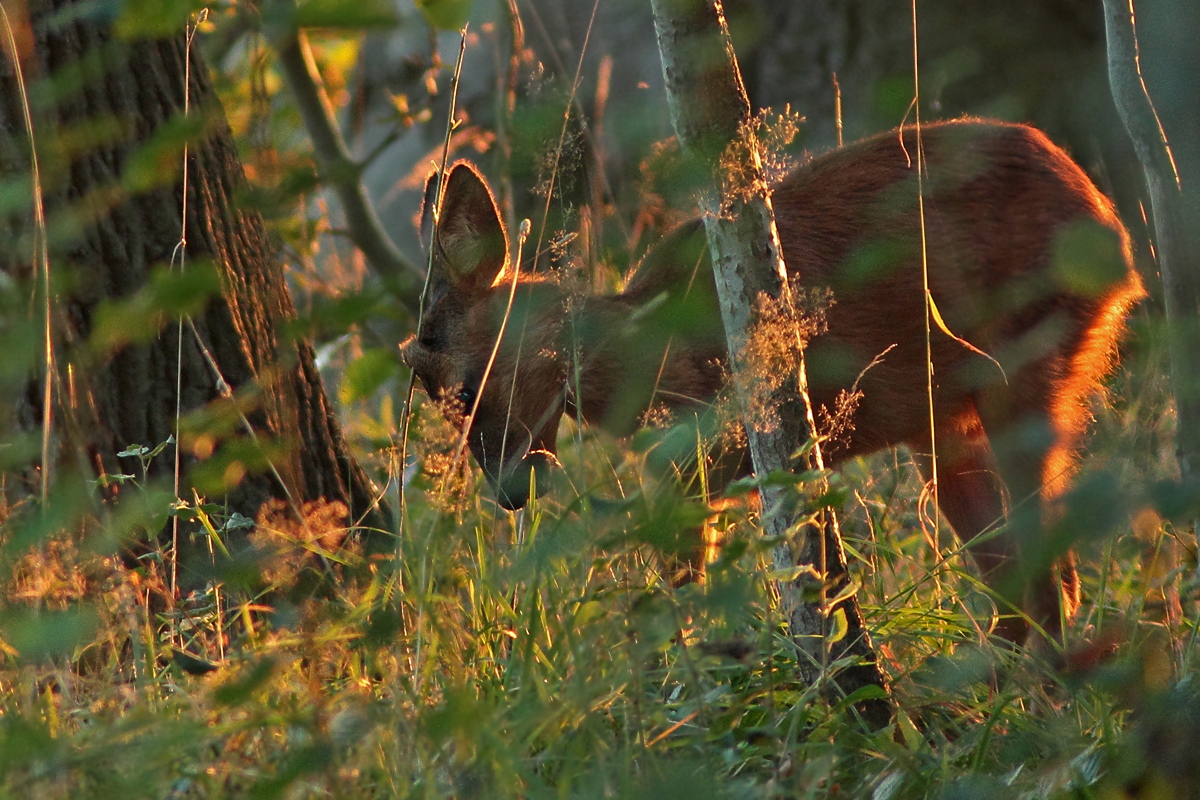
x=1175, y=206
x=711, y=114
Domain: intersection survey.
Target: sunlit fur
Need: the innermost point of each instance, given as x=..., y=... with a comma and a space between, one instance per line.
x=1001, y=205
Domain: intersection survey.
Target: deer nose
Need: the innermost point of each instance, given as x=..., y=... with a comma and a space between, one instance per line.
x=513, y=488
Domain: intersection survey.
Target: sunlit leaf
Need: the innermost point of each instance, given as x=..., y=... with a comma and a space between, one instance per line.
x=840, y=626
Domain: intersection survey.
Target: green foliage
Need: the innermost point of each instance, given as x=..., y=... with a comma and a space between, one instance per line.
x=546, y=653
x=149, y=19
x=449, y=15
x=159, y=161
x=169, y=293
x=366, y=374
x=1087, y=258
x=345, y=14
x=44, y=635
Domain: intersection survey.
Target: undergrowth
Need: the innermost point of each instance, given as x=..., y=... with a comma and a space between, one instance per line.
x=546, y=654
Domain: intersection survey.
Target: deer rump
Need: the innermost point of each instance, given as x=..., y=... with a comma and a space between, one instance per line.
x=1026, y=261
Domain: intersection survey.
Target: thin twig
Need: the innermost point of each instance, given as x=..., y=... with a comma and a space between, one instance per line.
x=927, y=292
x=180, y=253
x=422, y=584
x=41, y=257
x=451, y=124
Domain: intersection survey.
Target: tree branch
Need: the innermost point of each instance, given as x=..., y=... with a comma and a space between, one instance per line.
x=340, y=172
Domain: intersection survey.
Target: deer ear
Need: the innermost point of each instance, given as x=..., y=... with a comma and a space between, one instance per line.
x=472, y=245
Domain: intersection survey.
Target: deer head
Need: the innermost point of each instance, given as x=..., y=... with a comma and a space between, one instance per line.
x=488, y=349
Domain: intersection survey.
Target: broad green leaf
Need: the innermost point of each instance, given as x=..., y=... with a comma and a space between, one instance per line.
x=1088, y=258
x=346, y=14
x=152, y=19
x=239, y=690
x=138, y=516
x=367, y=373
x=840, y=626
x=42, y=633
x=448, y=15
x=139, y=317
x=159, y=161
x=233, y=460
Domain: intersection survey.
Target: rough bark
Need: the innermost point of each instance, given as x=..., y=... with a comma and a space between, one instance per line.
x=129, y=396
x=711, y=114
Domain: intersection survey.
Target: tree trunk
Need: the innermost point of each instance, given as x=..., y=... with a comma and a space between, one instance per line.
x=105, y=401
x=711, y=114
x=1175, y=203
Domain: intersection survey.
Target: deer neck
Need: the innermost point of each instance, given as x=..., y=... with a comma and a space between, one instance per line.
x=622, y=362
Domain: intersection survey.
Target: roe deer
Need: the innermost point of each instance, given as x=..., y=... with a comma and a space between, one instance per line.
x=1027, y=262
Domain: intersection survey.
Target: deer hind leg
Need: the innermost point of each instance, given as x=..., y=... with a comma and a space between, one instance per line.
x=973, y=499
x=1033, y=439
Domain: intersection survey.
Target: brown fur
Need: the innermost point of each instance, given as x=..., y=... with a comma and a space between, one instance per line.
x=1001, y=205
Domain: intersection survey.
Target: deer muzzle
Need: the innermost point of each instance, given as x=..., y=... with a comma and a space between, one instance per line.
x=525, y=477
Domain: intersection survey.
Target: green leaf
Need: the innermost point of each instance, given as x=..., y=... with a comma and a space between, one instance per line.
x=159, y=161
x=138, y=516
x=192, y=665
x=849, y=590
x=367, y=373
x=346, y=14
x=184, y=292
x=840, y=626
x=1088, y=258
x=238, y=690
x=29, y=529
x=869, y=692
x=589, y=612
x=458, y=713
x=447, y=15
x=153, y=19
x=167, y=293
x=233, y=460
x=41, y=634
x=161, y=446
x=329, y=318
x=383, y=627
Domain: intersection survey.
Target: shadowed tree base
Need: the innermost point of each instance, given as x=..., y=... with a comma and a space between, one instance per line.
x=129, y=209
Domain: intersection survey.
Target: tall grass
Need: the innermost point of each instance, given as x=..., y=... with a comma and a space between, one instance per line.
x=547, y=655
